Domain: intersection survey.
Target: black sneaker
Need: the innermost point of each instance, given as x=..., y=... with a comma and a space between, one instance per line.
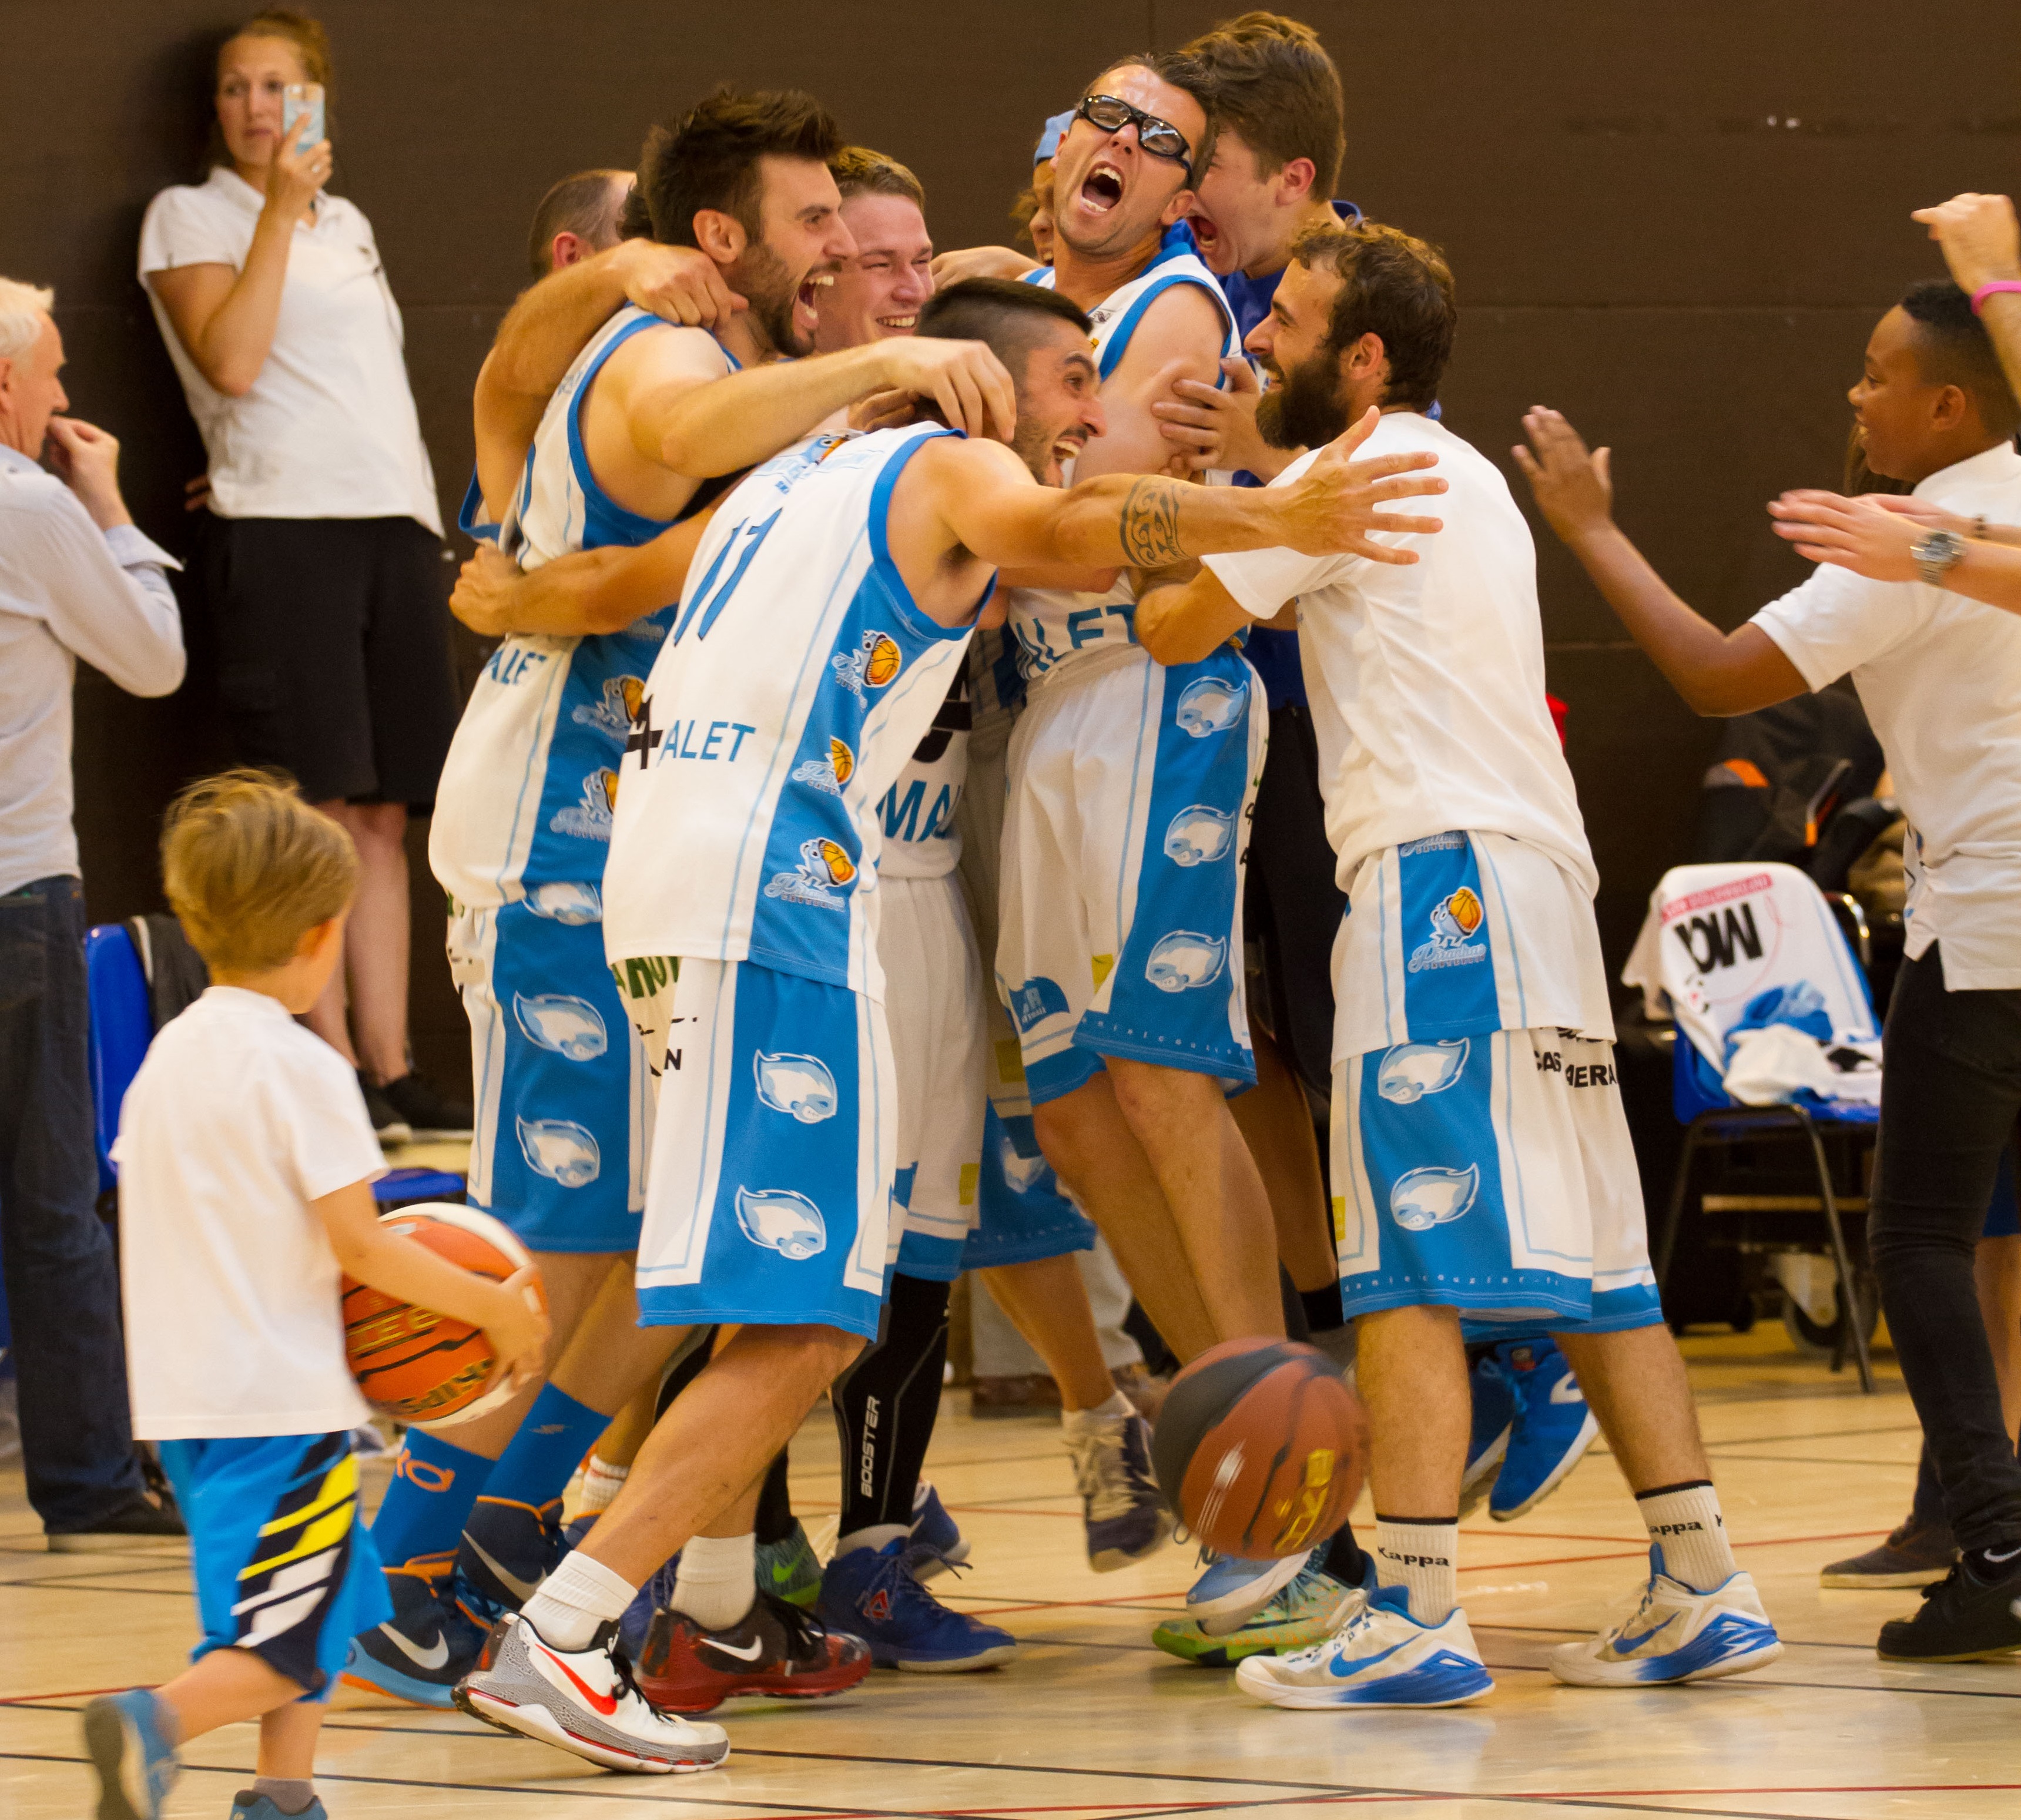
x=429, y=1112
x=1917, y=1554
x=137, y=1527
x=387, y=1123
x=1963, y=1619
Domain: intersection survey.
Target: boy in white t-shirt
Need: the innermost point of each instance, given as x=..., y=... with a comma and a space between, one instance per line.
x=246, y=1161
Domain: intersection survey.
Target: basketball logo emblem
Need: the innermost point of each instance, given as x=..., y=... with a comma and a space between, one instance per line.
x=836, y=862
x=883, y=663
x=1456, y=919
x=842, y=758
x=828, y=775
x=874, y=663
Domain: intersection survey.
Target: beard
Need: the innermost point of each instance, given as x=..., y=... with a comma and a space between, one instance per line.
x=762, y=276
x=1305, y=408
x=1032, y=442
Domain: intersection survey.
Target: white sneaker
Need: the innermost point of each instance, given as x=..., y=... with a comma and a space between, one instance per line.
x=1231, y=1591
x=1675, y=1635
x=582, y=1701
x=1381, y=1656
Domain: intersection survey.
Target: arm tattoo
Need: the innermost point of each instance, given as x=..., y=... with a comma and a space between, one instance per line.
x=1149, y=526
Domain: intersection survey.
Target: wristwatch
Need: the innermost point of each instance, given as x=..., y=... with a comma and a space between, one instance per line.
x=1937, y=556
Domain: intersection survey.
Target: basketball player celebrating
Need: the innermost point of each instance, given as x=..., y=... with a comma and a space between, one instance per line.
x=1481, y=1160
x=648, y=419
x=738, y=856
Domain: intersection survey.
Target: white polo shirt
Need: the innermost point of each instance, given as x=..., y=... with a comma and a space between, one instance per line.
x=238, y=1119
x=329, y=429
x=1940, y=678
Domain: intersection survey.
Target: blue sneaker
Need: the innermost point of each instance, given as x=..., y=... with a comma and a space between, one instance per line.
x=137, y=1765
x=1553, y=1429
x=933, y=1528
x=246, y=1805
x=508, y=1549
x=428, y=1646
x=876, y=1594
x=1488, y=1442
x=1676, y=1634
x=1126, y=1519
x=638, y=1618
x=1381, y=1656
x=1232, y=1592
x=1307, y=1612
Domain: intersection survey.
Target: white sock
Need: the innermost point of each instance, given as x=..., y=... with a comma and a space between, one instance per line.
x=873, y=1536
x=1080, y=1421
x=1684, y=1521
x=714, y=1583
x=601, y=1482
x=1424, y=1558
x=577, y=1596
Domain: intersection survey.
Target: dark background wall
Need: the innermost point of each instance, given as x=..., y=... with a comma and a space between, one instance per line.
x=1677, y=224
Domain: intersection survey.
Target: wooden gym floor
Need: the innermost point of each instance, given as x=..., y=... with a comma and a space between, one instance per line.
x=1092, y=1723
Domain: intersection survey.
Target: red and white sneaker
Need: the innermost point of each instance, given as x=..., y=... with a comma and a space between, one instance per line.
x=775, y=1649
x=582, y=1701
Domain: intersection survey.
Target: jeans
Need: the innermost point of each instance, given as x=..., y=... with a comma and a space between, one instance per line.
x=62, y=1283
x=1951, y=1075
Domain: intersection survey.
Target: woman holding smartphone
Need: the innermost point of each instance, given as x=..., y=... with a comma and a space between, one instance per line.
x=322, y=561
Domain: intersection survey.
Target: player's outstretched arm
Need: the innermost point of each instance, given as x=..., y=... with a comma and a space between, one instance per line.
x=546, y=328
x=587, y=592
x=1875, y=536
x=511, y=1313
x=1715, y=672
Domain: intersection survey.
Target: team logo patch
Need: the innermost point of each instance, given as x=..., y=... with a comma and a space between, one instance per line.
x=1209, y=705
x=823, y=867
x=873, y=664
x=782, y=1221
x=1035, y=1001
x=1412, y=1070
x=569, y=1026
x=590, y=819
x=1183, y=960
x=563, y=903
x=1198, y=836
x=615, y=713
x=1454, y=921
x=800, y=1085
x=1431, y=1197
x=830, y=774
x=561, y=1150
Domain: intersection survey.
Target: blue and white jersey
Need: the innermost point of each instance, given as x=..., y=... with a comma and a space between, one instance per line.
x=922, y=839
x=799, y=678
x=527, y=788
x=1048, y=626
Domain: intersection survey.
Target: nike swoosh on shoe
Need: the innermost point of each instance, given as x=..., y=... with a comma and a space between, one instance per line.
x=433, y=1658
x=1567, y=1390
x=749, y=1654
x=606, y=1704
x=520, y=1589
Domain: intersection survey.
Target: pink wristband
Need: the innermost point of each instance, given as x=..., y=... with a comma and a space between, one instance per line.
x=1987, y=290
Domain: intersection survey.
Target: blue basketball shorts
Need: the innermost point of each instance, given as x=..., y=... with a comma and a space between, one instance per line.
x=1131, y=787
x=283, y=1565
x=774, y=1154
x=1494, y=1174
x=563, y=1096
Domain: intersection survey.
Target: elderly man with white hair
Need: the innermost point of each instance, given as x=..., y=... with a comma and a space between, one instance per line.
x=77, y=580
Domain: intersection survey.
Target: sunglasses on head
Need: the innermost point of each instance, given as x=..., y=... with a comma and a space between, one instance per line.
x=1159, y=138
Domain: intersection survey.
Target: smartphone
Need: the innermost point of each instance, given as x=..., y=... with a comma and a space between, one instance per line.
x=298, y=99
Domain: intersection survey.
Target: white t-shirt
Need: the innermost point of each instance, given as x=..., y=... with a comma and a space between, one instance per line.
x=238, y=1119
x=329, y=430
x=1426, y=682
x=1940, y=678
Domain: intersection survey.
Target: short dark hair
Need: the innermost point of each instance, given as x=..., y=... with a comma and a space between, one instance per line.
x=1185, y=73
x=1953, y=349
x=1275, y=84
x=580, y=204
x=710, y=158
x=858, y=171
x=1394, y=285
x=1004, y=315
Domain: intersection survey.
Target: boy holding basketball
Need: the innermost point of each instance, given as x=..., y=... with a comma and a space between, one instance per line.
x=246, y=1161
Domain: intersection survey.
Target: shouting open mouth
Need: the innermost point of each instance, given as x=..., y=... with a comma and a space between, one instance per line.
x=1101, y=189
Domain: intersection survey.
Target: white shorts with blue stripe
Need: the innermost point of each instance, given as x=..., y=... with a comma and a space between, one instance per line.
x=1480, y=1163
x=774, y=1151
x=1131, y=787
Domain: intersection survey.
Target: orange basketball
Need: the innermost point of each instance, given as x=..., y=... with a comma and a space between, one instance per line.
x=1260, y=1448
x=412, y=1362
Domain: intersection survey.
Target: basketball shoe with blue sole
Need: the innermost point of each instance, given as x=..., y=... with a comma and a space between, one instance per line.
x=1307, y=1612
x=1552, y=1430
x=876, y=1594
x=1675, y=1635
x=1494, y=1415
x=136, y=1763
x=428, y=1645
x=1230, y=1591
x=933, y=1528
x=1381, y=1657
